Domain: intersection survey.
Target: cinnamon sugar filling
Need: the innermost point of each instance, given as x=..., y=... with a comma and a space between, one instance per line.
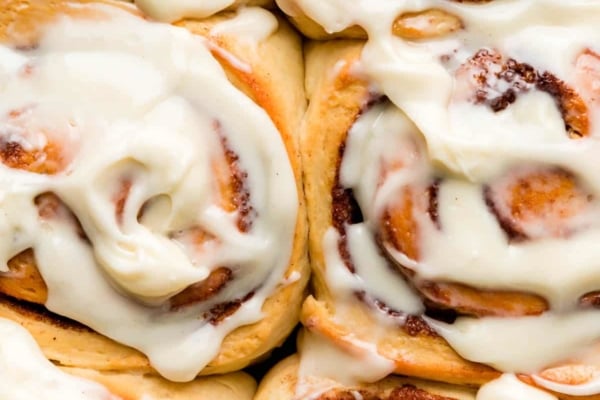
x=22, y=266
x=498, y=82
x=551, y=197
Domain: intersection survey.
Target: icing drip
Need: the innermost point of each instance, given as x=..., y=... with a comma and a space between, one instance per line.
x=250, y=25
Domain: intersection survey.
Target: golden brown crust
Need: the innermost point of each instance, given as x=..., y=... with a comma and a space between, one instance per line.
x=128, y=377
x=275, y=84
x=71, y=344
x=280, y=384
x=340, y=97
x=132, y=386
x=467, y=300
x=23, y=280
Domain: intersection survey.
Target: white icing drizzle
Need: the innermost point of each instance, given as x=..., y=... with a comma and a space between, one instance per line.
x=26, y=374
x=380, y=281
x=138, y=101
x=589, y=388
x=356, y=394
x=233, y=60
x=324, y=366
x=250, y=25
x=175, y=10
x=562, y=336
x=448, y=135
x=509, y=387
x=294, y=277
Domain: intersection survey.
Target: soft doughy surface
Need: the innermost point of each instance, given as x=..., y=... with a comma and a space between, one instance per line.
x=275, y=83
x=280, y=383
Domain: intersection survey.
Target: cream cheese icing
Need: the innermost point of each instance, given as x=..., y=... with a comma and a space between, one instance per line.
x=250, y=25
x=470, y=144
x=130, y=101
x=26, y=374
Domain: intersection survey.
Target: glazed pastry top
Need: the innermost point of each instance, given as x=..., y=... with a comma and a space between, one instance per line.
x=486, y=154
x=137, y=170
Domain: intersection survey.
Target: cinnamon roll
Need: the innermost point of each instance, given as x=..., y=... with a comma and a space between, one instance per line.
x=152, y=208
x=452, y=185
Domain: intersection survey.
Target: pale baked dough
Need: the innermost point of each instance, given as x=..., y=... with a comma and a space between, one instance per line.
x=275, y=84
x=280, y=384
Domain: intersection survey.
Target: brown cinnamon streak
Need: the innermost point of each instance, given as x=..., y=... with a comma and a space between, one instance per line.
x=471, y=301
x=202, y=291
x=221, y=311
x=523, y=78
